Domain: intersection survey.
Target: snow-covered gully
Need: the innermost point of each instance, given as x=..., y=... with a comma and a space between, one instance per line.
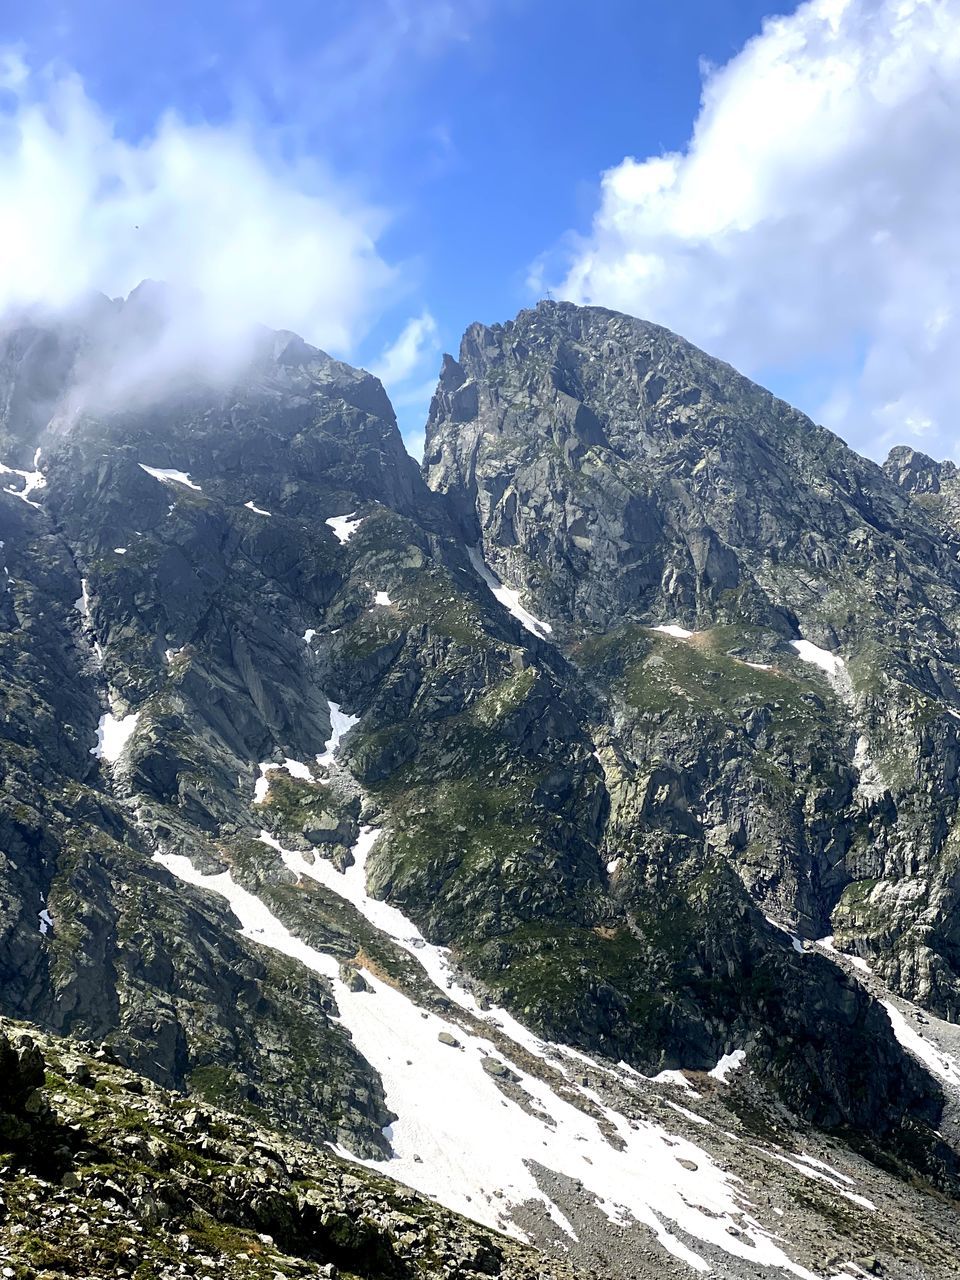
x=473, y=1146
x=509, y=598
x=459, y=1139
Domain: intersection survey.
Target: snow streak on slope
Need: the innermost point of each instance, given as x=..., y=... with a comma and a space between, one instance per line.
x=82, y=603
x=940, y=1063
x=461, y=1140
x=820, y=1172
x=508, y=598
x=870, y=782
x=169, y=474
x=827, y=945
x=943, y=1065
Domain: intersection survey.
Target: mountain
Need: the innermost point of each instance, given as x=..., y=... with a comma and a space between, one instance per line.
x=567, y=831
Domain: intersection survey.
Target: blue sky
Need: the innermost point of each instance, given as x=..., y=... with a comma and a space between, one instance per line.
x=404, y=167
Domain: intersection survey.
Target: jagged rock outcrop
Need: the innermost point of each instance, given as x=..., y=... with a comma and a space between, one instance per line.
x=935, y=486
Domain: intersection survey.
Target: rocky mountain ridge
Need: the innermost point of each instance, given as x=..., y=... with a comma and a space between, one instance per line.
x=580, y=759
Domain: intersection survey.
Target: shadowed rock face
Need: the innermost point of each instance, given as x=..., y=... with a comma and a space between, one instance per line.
x=598, y=819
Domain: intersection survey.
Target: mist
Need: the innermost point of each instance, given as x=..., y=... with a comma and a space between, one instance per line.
x=242, y=237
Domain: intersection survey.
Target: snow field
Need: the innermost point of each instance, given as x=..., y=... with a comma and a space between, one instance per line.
x=344, y=527
x=32, y=480
x=460, y=1140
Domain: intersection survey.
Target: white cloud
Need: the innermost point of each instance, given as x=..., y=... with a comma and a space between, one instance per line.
x=407, y=368
x=415, y=442
x=207, y=209
x=811, y=220
x=416, y=343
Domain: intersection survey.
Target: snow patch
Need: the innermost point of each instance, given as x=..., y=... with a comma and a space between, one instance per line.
x=818, y=1164
x=509, y=598
x=728, y=1063
x=295, y=768
x=691, y=1115
x=120, y=551
x=46, y=921
x=309, y=634
x=344, y=526
x=340, y=724
x=828, y=945
x=169, y=474
x=823, y=1173
x=382, y=598
x=797, y=944
x=673, y=1077
x=870, y=783
x=113, y=735
x=672, y=629
x=351, y=884
x=259, y=510
x=262, y=785
x=82, y=603
x=829, y=662
x=32, y=480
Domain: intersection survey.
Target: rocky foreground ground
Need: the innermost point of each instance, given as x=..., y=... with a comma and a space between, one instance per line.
x=105, y=1175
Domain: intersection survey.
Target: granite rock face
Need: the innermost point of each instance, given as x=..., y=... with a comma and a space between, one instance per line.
x=934, y=486
x=620, y=479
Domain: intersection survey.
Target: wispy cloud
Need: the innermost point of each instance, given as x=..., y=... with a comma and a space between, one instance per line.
x=416, y=342
x=369, y=54
x=811, y=218
x=407, y=368
x=204, y=208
